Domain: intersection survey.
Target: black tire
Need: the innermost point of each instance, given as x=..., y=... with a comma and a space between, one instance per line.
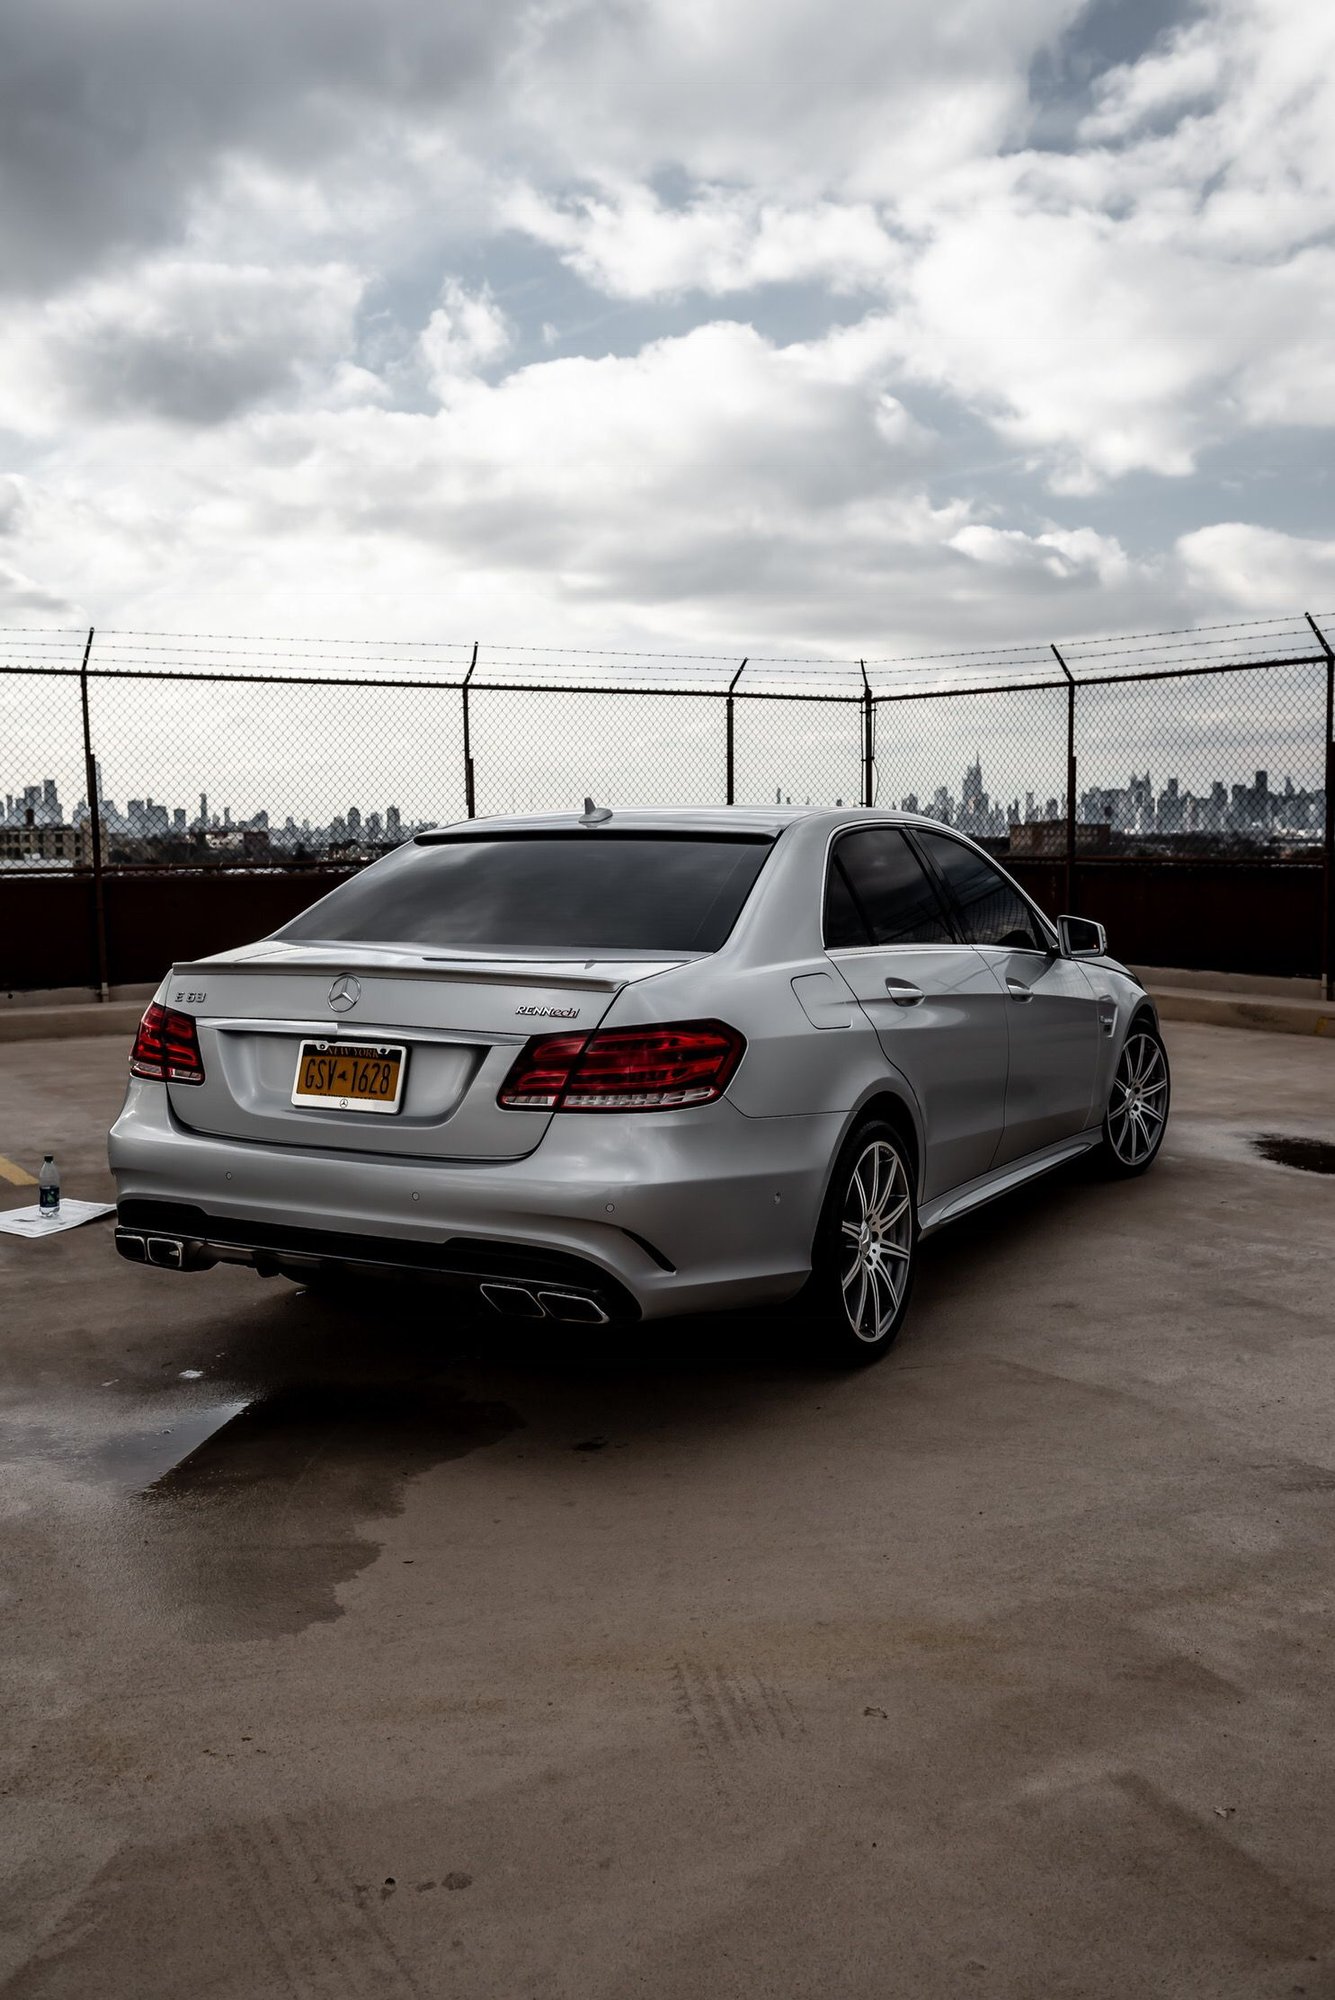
x=853, y=1305
x=1136, y=1117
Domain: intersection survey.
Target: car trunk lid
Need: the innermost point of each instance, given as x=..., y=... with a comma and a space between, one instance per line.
x=461, y=1019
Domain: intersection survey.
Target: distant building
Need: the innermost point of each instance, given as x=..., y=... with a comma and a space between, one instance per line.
x=1045, y=839
x=57, y=845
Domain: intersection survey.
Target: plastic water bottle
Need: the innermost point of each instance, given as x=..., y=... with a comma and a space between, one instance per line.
x=48, y=1187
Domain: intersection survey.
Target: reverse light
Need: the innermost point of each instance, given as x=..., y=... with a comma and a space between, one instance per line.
x=166, y=1047
x=625, y=1069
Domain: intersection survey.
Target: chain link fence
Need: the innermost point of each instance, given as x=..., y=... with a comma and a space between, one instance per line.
x=133, y=752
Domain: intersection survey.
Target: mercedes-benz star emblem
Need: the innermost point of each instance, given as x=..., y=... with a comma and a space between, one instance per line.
x=344, y=993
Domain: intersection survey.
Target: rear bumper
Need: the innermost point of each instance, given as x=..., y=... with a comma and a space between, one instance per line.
x=687, y=1211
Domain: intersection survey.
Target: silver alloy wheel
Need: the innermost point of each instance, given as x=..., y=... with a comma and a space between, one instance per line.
x=1139, y=1101
x=877, y=1240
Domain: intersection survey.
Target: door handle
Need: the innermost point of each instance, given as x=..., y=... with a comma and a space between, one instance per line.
x=902, y=993
x=1018, y=990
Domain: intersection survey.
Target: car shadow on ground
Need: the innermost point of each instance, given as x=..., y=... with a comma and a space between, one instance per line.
x=252, y=1485
x=366, y=1349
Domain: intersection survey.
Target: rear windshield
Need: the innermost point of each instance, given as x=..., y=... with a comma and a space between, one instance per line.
x=586, y=893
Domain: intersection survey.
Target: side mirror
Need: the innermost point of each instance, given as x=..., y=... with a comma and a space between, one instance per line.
x=1081, y=937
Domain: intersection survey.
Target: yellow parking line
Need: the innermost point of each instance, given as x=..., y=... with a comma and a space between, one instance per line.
x=15, y=1175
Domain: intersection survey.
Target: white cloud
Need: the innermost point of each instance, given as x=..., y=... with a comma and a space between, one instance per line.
x=1104, y=350
x=1234, y=563
x=1183, y=75
x=632, y=245
x=865, y=101
x=1064, y=554
x=1159, y=289
x=22, y=598
x=467, y=332
x=186, y=342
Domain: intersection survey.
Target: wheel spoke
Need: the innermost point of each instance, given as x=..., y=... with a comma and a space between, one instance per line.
x=856, y=1309
x=885, y=1298
x=885, y=1190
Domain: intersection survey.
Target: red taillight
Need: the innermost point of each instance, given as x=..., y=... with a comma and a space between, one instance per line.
x=167, y=1047
x=625, y=1069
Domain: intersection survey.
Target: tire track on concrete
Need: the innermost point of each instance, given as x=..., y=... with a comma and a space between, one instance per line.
x=732, y=1717
x=286, y=1879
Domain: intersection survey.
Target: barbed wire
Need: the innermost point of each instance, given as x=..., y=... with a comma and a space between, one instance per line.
x=1275, y=640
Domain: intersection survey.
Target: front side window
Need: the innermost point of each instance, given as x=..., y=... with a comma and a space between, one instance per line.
x=516, y=894
x=879, y=893
x=990, y=909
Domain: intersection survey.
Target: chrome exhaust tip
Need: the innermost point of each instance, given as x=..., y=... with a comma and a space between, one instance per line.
x=166, y=1253
x=574, y=1307
x=514, y=1301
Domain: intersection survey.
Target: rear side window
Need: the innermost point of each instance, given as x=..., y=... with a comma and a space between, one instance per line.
x=582, y=893
x=879, y=893
x=990, y=910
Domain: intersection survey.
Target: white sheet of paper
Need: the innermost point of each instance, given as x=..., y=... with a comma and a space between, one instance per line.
x=31, y=1221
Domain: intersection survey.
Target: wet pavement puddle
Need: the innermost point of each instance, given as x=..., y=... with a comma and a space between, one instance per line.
x=318, y=1431
x=135, y=1459
x=1311, y=1156
x=264, y=1439
x=244, y=1515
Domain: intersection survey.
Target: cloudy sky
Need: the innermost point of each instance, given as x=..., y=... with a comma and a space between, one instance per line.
x=752, y=324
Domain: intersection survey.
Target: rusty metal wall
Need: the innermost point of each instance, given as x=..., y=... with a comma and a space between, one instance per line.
x=1210, y=916
x=47, y=933
x=1221, y=916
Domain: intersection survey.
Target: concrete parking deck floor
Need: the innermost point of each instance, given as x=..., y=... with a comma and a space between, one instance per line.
x=347, y=1653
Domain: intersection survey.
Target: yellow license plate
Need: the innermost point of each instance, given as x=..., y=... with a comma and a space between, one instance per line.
x=350, y=1076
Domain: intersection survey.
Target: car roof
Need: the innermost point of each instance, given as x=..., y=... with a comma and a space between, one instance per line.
x=687, y=819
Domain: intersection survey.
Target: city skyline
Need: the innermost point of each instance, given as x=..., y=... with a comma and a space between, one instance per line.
x=1228, y=808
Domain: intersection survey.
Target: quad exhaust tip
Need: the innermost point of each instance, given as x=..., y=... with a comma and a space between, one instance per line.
x=518, y=1302
x=167, y=1253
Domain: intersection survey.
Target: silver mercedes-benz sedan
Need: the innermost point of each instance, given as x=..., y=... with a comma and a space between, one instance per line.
x=627, y=1064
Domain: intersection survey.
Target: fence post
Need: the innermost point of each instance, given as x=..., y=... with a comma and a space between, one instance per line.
x=1328, y=841
x=470, y=801
x=93, y=795
x=1070, y=781
x=731, y=752
x=868, y=739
